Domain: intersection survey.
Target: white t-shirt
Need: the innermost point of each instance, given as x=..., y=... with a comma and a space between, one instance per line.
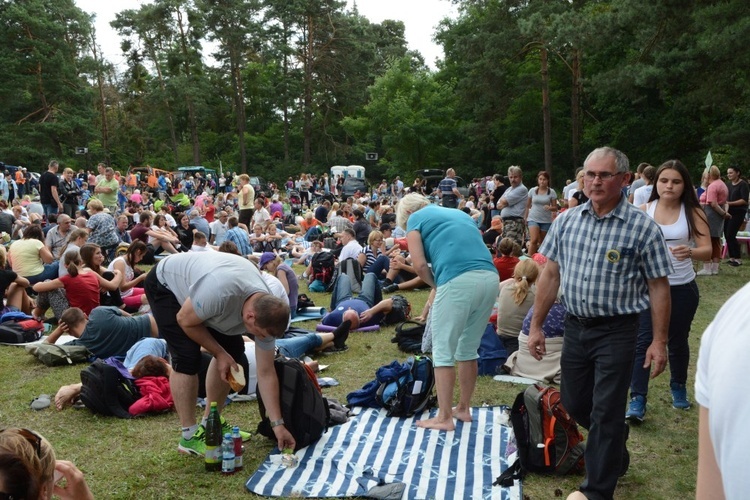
x=642, y=194
x=720, y=383
x=350, y=251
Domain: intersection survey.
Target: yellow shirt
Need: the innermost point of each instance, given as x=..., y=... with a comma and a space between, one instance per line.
x=247, y=188
x=24, y=257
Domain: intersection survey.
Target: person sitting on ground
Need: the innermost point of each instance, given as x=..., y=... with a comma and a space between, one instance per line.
x=13, y=288
x=76, y=239
x=78, y=288
x=362, y=227
x=235, y=234
x=200, y=243
x=304, y=255
x=368, y=308
x=374, y=258
x=308, y=223
x=506, y=262
x=185, y=231
x=102, y=230
x=106, y=331
x=132, y=295
x=257, y=238
x=272, y=264
x=28, y=468
x=493, y=233
x=200, y=223
x=57, y=236
x=162, y=237
x=273, y=240
x=513, y=303
x=401, y=275
x=350, y=248
x=522, y=364
x=30, y=258
x=338, y=222
x=93, y=259
x=261, y=215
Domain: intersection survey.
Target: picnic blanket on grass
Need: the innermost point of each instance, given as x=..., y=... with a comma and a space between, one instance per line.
x=372, y=449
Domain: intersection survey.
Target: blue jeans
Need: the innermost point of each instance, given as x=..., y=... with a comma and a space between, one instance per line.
x=382, y=263
x=50, y=272
x=371, y=293
x=49, y=209
x=296, y=347
x=596, y=365
x=684, y=304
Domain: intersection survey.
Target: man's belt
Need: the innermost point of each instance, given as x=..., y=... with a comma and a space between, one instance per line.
x=600, y=320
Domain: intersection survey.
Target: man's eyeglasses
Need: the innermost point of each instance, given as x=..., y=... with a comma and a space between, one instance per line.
x=603, y=176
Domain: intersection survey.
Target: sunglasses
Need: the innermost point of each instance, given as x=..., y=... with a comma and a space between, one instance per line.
x=34, y=439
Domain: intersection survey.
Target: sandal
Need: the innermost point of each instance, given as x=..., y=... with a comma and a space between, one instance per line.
x=40, y=402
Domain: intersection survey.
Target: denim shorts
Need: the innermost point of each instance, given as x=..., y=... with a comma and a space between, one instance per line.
x=543, y=226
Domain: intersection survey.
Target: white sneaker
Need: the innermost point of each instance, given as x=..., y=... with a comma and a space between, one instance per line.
x=144, y=309
x=704, y=272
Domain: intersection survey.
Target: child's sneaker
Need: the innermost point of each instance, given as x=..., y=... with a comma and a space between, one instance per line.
x=196, y=445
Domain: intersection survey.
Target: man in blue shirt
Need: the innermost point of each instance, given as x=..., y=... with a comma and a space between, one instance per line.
x=448, y=188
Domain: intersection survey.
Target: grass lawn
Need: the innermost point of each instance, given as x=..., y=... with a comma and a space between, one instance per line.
x=139, y=459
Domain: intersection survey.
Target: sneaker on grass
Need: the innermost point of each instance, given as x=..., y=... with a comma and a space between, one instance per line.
x=196, y=445
x=636, y=409
x=226, y=427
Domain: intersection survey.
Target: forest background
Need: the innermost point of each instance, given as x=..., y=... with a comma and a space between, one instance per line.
x=300, y=85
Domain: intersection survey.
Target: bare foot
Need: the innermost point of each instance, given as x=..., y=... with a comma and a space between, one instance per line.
x=434, y=423
x=462, y=415
x=66, y=395
x=314, y=366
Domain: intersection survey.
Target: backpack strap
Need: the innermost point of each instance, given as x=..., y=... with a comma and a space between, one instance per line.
x=509, y=475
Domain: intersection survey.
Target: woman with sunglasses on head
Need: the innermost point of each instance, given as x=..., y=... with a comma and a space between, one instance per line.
x=674, y=206
x=29, y=469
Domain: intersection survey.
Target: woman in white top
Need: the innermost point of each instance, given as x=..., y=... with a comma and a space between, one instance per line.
x=162, y=236
x=674, y=206
x=132, y=295
x=261, y=215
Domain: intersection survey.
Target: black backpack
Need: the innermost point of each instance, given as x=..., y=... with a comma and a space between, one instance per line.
x=411, y=393
x=409, y=336
x=351, y=268
x=323, y=267
x=106, y=392
x=20, y=332
x=548, y=438
x=303, y=407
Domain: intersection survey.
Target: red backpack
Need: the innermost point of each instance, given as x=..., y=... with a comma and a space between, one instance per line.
x=547, y=437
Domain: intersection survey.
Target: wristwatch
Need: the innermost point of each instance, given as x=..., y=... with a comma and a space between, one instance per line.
x=276, y=423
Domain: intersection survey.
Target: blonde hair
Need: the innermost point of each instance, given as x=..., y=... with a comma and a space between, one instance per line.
x=96, y=205
x=3, y=256
x=374, y=235
x=407, y=206
x=525, y=274
x=33, y=450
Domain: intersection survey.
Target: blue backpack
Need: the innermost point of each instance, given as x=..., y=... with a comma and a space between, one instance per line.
x=492, y=353
x=411, y=392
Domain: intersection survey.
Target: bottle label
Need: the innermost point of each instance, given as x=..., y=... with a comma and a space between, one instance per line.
x=213, y=454
x=238, y=462
x=227, y=465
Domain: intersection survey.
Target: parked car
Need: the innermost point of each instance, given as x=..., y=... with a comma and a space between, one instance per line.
x=433, y=176
x=352, y=185
x=260, y=185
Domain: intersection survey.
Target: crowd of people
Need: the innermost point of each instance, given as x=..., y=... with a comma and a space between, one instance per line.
x=564, y=279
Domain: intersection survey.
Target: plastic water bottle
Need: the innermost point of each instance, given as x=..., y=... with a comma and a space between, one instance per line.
x=213, y=439
x=227, y=450
x=237, y=441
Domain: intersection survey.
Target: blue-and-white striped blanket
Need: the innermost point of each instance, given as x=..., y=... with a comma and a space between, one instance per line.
x=372, y=448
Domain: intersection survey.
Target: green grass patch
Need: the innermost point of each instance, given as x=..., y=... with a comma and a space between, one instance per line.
x=138, y=458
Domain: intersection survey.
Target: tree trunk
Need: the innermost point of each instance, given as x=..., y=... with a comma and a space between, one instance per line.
x=575, y=109
x=307, y=112
x=188, y=98
x=102, y=103
x=546, y=113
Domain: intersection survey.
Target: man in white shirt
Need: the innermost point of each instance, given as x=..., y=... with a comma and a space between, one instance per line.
x=351, y=248
x=219, y=228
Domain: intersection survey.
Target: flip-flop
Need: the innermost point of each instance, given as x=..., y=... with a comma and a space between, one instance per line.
x=41, y=402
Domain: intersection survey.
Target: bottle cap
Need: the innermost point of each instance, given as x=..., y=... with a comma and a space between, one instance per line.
x=227, y=436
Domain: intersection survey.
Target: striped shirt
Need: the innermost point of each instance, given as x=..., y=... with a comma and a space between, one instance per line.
x=605, y=263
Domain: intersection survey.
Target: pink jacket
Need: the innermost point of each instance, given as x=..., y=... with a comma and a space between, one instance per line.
x=155, y=396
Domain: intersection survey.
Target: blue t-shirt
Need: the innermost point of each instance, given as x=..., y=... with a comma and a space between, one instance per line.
x=335, y=317
x=452, y=243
